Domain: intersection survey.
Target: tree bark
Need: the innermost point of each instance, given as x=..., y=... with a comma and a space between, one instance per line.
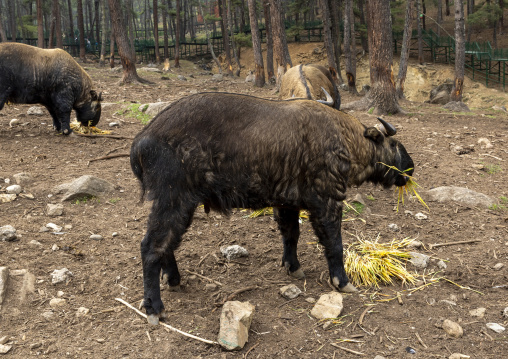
x=58, y=25
x=225, y=36
x=71, y=23
x=102, y=58
x=460, y=51
x=81, y=29
x=327, y=27
x=363, y=38
x=404, y=54
x=256, y=45
x=112, y=47
x=233, y=43
x=439, y=16
x=156, y=32
x=177, y=34
x=335, y=16
x=420, y=38
x=3, y=35
x=210, y=45
x=269, y=40
x=129, y=67
x=12, y=17
x=40, y=29
x=281, y=52
x=349, y=47
x=447, y=7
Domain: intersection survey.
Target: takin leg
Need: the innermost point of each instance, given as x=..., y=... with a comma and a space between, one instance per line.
x=166, y=225
x=287, y=219
x=60, y=110
x=4, y=95
x=327, y=227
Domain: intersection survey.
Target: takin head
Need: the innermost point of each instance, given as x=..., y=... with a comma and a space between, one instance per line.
x=89, y=112
x=389, y=152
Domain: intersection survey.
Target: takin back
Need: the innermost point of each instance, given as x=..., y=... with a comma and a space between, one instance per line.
x=311, y=81
x=52, y=78
x=236, y=151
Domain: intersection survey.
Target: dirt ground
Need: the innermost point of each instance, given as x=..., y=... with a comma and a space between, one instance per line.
x=373, y=321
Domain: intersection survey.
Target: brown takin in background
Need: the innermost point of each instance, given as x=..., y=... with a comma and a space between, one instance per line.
x=52, y=78
x=312, y=82
x=235, y=151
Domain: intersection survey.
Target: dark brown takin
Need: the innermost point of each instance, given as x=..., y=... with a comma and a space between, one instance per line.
x=236, y=151
x=52, y=78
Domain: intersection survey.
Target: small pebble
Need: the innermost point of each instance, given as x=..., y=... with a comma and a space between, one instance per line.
x=57, y=302
x=441, y=265
x=498, y=266
x=115, y=234
x=420, y=216
x=496, y=327
x=96, y=237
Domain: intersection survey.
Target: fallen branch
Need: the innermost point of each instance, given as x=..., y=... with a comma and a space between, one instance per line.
x=203, y=277
x=109, y=157
x=115, y=137
x=347, y=350
x=453, y=243
x=360, y=321
x=166, y=325
x=421, y=341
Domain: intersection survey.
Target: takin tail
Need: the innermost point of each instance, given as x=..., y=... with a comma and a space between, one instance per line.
x=139, y=159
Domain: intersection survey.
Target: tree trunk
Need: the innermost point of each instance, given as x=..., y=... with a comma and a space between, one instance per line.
x=233, y=43
x=102, y=59
x=210, y=45
x=3, y=35
x=12, y=17
x=166, y=38
x=424, y=12
x=156, y=32
x=327, y=27
x=177, y=34
x=501, y=19
x=52, y=25
x=349, y=48
x=420, y=36
x=131, y=28
x=72, y=35
x=129, y=67
x=439, y=16
x=281, y=52
x=256, y=45
x=225, y=36
x=363, y=38
x=81, y=29
x=40, y=29
x=335, y=16
x=112, y=47
x=460, y=51
x=404, y=54
x=58, y=26
x=382, y=93
x=447, y=7
x=269, y=40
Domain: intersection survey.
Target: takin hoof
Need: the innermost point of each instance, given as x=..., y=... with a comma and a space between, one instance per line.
x=153, y=319
x=348, y=288
x=297, y=274
x=172, y=288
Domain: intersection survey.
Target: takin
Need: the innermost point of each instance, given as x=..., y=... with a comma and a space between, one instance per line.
x=313, y=82
x=236, y=151
x=52, y=78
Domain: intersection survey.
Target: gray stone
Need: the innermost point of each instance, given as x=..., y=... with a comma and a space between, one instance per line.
x=419, y=260
x=441, y=98
x=35, y=111
x=82, y=311
x=453, y=329
x=23, y=178
x=456, y=106
x=445, y=87
x=156, y=107
x=61, y=275
x=8, y=233
x=329, y=305
x=290, y=291
x=87, y=186
x=57, y=302
x=498, y=266
x=441, y=265
x=235, y=321
x=505, y=312
x=13, y=189
x=461, y=195
x=234, y=251
x=478, y=312
x=217, y=77
x=420, y=216
x=35, y=243
x=415, y=244
x=96, y=237
x=498, y=328
x=54, y=227
x=250, y=77
x=499, y=108
x=54, y=210
x=393, y=227
x=210, y=287
x=359, y=199
x=150, y=69
x=310, y=300
x=4, y=279
x=181, y=78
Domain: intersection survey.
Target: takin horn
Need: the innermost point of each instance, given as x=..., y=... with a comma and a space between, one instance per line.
x=390, y=129
x=329, y=99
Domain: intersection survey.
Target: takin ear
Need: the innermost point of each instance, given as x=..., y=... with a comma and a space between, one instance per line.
x=374, y=134
x=96, y=97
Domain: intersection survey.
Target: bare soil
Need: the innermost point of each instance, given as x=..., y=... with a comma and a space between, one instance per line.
x=373, y=320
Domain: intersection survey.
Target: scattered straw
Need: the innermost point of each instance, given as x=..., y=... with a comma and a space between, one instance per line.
x=87, y=130
x=371, y=263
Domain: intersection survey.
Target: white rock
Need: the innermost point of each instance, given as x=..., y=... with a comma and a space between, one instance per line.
x=23, y=178
x=478, y=312
x=329, y=305
x=420, y=216
x=498, y=266
x=35, y=242
x=235, y=321
x=60, y=275
x=114, y=234
x=453, y=329
x=35, y=111
x=415, y=244
x=4, y=277
x=54, y=227
x=485, y=143
x=496, y=327
x=55, y=247
x=394, y=227
x=8, y=233
x=13, y=122
x=54, y=210
x=48, y=315
x=96, y=237
x=57, y=302
x=114, y=124
x=234, y=251
x=505, y=312
x=458, y=356
x=7, y=197
x=290, y=291
x=13, y=189
x=4, y=339
x=461, y=195
x=4, y=349
x=441, y=264
x=82, y=311
x=419, y=260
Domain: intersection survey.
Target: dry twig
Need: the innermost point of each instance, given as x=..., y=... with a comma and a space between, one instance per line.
x=203, y=277
x=115, y=137
x=432, y=246
x=109, y=157
x=347, y=350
